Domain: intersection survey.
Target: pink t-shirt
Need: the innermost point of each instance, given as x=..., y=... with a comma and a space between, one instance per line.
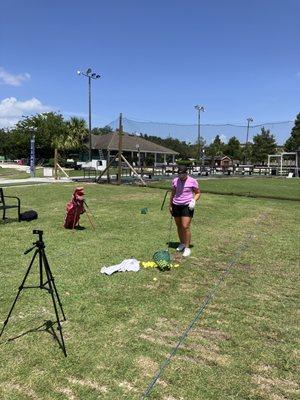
x=184, y=190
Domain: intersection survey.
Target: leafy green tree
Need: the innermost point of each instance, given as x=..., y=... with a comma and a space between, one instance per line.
x=183, y=148
x=52, y=132
x=233, y=149
x=102, y=131
x=50, y=129
x=14, y=145
x=216, y=148
x=263, y=144
x=293, y=142
x=5, y=143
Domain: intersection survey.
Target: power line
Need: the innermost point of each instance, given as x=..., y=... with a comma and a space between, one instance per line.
x=137, y=121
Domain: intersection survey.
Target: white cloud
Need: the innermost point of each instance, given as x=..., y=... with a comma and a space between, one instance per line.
x=6, y=78
x=11, y=110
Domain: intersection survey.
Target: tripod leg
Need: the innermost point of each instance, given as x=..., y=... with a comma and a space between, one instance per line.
x=47, y=268
x=19, y=292
x=41, y=270
x=52, y=290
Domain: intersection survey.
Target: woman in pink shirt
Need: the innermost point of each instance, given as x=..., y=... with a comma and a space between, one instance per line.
x=185, y=193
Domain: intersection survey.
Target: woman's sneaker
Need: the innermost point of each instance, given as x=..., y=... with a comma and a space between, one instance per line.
x=187, y=252
x=180, y=247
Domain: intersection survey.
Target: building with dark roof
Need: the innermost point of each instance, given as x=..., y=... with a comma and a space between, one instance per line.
x=108, y=145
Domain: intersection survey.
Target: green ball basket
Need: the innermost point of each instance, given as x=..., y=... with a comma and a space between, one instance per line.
x=162, y=259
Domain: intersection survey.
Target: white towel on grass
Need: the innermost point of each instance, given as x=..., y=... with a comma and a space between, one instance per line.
x=130, y=264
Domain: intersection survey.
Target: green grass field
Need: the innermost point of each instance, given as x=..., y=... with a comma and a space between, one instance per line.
x=121, y=328
x=268, y=187
x=11, y=173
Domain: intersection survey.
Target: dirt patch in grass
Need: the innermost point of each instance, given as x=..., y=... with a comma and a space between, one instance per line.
x=246, y=267
x=269, y=386
x=67, y=392
x=23, y=390
x=147, y=366
x=201, y=346
x=187, y=287
x=88, y=383
x=264, y=368
x=209, y=333
x=175, y=329
x=209, y=264
x=296, y=353
x=127, y=386
x=207, y=357
x=262, y=296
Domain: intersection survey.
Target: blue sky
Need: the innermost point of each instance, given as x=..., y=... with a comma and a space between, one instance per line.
x=157, y=59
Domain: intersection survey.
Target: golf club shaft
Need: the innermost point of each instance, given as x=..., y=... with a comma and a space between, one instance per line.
x=90, y=220
x=170, y=228
x=163, y=203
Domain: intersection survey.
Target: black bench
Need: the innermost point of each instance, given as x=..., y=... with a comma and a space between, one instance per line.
x=4, y=206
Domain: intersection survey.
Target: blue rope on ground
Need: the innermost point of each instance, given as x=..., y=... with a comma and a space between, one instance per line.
x=200, y=311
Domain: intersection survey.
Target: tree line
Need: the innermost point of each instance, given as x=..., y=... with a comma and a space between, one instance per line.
x=52, y=132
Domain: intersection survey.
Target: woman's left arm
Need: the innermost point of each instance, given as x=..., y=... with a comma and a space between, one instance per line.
x=197, y=194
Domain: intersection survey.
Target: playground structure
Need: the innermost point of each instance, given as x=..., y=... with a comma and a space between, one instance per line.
x=285, y=164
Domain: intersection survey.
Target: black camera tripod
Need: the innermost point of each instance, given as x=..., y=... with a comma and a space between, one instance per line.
x=47, y=284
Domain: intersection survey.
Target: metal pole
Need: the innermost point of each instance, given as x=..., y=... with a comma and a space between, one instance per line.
x=199, y=109
x=246, y=161
x=55, y=164
x=90, y=75
x=120, y=150
x=108, y=163
x=90, y=120
x=199, y=138
x=32, y=154
x=246, y=146
x=198, y=135
x=139, y=158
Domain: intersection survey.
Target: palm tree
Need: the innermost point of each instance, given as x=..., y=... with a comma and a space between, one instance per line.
x=75, y=134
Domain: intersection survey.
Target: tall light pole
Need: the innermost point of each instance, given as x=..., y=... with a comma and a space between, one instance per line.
x=32, y=131
x=90, y=75
x=246, y=145
x=199, y=109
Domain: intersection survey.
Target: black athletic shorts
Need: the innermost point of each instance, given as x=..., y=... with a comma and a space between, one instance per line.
x=182, y=211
